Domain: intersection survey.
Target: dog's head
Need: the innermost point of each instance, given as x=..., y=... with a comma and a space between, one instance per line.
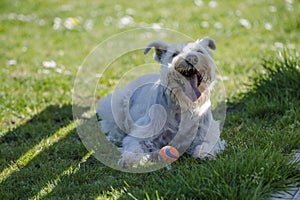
x=189, y=64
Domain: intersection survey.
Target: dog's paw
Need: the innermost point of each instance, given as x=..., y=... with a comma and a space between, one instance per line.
x=203, y=155
x=130, y=159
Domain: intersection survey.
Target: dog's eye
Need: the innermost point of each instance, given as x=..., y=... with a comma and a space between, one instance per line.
x=200, y=51
x=175, y=54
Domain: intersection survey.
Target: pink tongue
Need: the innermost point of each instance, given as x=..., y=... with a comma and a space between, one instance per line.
x=196, y=90
x=192, y=90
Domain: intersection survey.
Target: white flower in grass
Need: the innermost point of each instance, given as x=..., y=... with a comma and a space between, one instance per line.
x=24, y=49
x=278, y=45
x=99, y=75
x=289, y=5
x=130, y=11
x=268, y=26
x=12, y=16
x=238, y=13
x=213, y=4
x=291, y=46
x=67, y=73
x=26, y=18
x=58, y=70
x=66, y=8
x=245, y=23
x=118, y=7
x=57, y=23
x=156, y=26
x=12, y=62
x=61, y=52
x=289, y=1
x=218, y=25
x=88, y=25
x=126, y=21
x=198, y=2
x=42, y=22
x=205, y=24
x=49, y=64
x=71, y=22
x=44, y=71
x=272, y=9
x=108, y=20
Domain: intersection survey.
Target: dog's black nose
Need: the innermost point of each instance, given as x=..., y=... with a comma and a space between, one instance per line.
x=192, y=59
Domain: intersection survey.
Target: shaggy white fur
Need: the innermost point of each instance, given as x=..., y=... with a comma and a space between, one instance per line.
x=170, y=108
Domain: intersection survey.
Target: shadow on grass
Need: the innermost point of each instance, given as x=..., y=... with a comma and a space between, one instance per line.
x=35, y=152
x=268, y=114
x=262, y=126
x=45, y=157
x=23, y=138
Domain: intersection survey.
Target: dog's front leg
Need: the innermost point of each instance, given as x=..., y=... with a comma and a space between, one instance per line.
x=211, y=144
x=134, y=153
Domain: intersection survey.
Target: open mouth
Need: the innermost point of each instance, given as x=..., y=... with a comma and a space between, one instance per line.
x=193, y=76
x=195, y=81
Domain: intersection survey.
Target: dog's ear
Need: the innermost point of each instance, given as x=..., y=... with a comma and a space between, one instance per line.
x=208, y=42
x=160, y=49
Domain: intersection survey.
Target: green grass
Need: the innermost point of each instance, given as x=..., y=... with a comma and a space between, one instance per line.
x=41, y=155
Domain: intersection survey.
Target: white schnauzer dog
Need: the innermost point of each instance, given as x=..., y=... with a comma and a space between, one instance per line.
x=170, y=108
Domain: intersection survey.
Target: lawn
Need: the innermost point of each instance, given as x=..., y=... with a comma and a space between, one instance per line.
x=42, y=45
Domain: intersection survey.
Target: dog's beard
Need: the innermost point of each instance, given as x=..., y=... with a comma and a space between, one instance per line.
x=193, y=76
